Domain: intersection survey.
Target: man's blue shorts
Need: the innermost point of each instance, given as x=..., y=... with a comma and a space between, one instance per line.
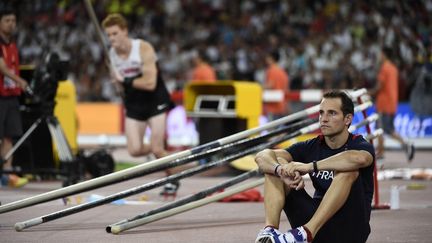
x=386, y=122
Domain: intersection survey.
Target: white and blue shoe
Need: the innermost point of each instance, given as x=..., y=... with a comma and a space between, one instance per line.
x=297, y=235
x=170, y=189
x=268, y=235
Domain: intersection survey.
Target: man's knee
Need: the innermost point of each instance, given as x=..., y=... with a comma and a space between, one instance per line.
x=158, y=151
x=274, y=181
x=271, y=178
x=136, y=151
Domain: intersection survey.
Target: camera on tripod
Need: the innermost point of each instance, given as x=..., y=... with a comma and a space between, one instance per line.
x=43, y=130
x=33, y=152
x=43, y=82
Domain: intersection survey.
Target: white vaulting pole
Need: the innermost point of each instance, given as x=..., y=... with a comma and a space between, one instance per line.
x=115, y=229
x=100, y=36
x=372, y=118
x=181, y=175
x=142, y=168
x=99, y=32
x=374, y=134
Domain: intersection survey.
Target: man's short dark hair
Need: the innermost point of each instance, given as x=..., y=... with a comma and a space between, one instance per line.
x=6, y=10
x=388, y=52
x=347, y=103
x=202, y=54
x=274, y=55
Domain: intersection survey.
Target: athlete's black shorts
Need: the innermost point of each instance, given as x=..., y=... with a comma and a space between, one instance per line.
x=10, y=118
x=144, y=104
x=386, y=123
x=349, y=224
x=143, y=112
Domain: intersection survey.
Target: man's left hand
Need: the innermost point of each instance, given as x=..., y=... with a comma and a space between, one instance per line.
x=289, y=168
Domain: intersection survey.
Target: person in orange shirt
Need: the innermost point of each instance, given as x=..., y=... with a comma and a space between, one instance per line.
x=276, y=79
x=386, y=92
x=202, y=71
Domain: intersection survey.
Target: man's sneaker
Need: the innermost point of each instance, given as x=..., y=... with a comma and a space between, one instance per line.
x=13, y=181
x=297, y=235
x=170, y=189
x=268, y=235
x=410, y=151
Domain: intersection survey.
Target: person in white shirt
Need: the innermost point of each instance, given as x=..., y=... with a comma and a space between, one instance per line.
x=146, y=98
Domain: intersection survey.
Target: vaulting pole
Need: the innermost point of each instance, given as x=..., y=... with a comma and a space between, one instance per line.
x=115, y=229
x=154, y=184
x=191, y=198
x=141, y=169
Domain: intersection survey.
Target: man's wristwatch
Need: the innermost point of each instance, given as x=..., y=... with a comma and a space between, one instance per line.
x=276, y=170
x=315, y=166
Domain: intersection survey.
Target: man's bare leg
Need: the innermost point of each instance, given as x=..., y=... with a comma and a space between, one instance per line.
x=405, y=146
x=157, y=137
x=398, y=138
x=135, y=132
x=5, y=147
x=274, y=199
x=380, y=147
x=333, y=200
x=11, y=179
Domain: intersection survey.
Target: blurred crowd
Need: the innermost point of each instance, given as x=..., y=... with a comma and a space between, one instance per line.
x=322, y=44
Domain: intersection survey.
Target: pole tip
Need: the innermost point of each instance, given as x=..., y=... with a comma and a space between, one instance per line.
x=115, y=229
x=19, y=226
x=108, y=229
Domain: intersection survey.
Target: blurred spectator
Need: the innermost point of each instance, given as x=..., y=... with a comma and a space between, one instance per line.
x=314, y=38
x=276, y=79
x=202, y=71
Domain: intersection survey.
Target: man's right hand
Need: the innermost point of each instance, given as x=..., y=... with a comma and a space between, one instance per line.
x=294, y=182
x=117, y=77
x=22, y=83
x=289, y=175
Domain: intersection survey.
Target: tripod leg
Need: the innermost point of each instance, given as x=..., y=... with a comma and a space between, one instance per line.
x=21, y=140
x=68, y=163
x=65, y=152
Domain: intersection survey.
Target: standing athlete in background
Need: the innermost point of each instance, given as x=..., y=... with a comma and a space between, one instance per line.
x=11, y=86
x=386, y=91
x=146, y=98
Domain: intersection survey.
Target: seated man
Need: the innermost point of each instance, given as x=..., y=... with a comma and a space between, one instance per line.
x=340, y=165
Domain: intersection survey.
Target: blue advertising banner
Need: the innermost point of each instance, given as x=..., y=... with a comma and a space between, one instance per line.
x=181, y=130
x=406, y=122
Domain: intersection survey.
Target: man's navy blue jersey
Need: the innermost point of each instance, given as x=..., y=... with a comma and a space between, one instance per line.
x=316, y=149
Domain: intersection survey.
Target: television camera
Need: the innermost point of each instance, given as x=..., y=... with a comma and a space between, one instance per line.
x=43, y=129
x=43, y=84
